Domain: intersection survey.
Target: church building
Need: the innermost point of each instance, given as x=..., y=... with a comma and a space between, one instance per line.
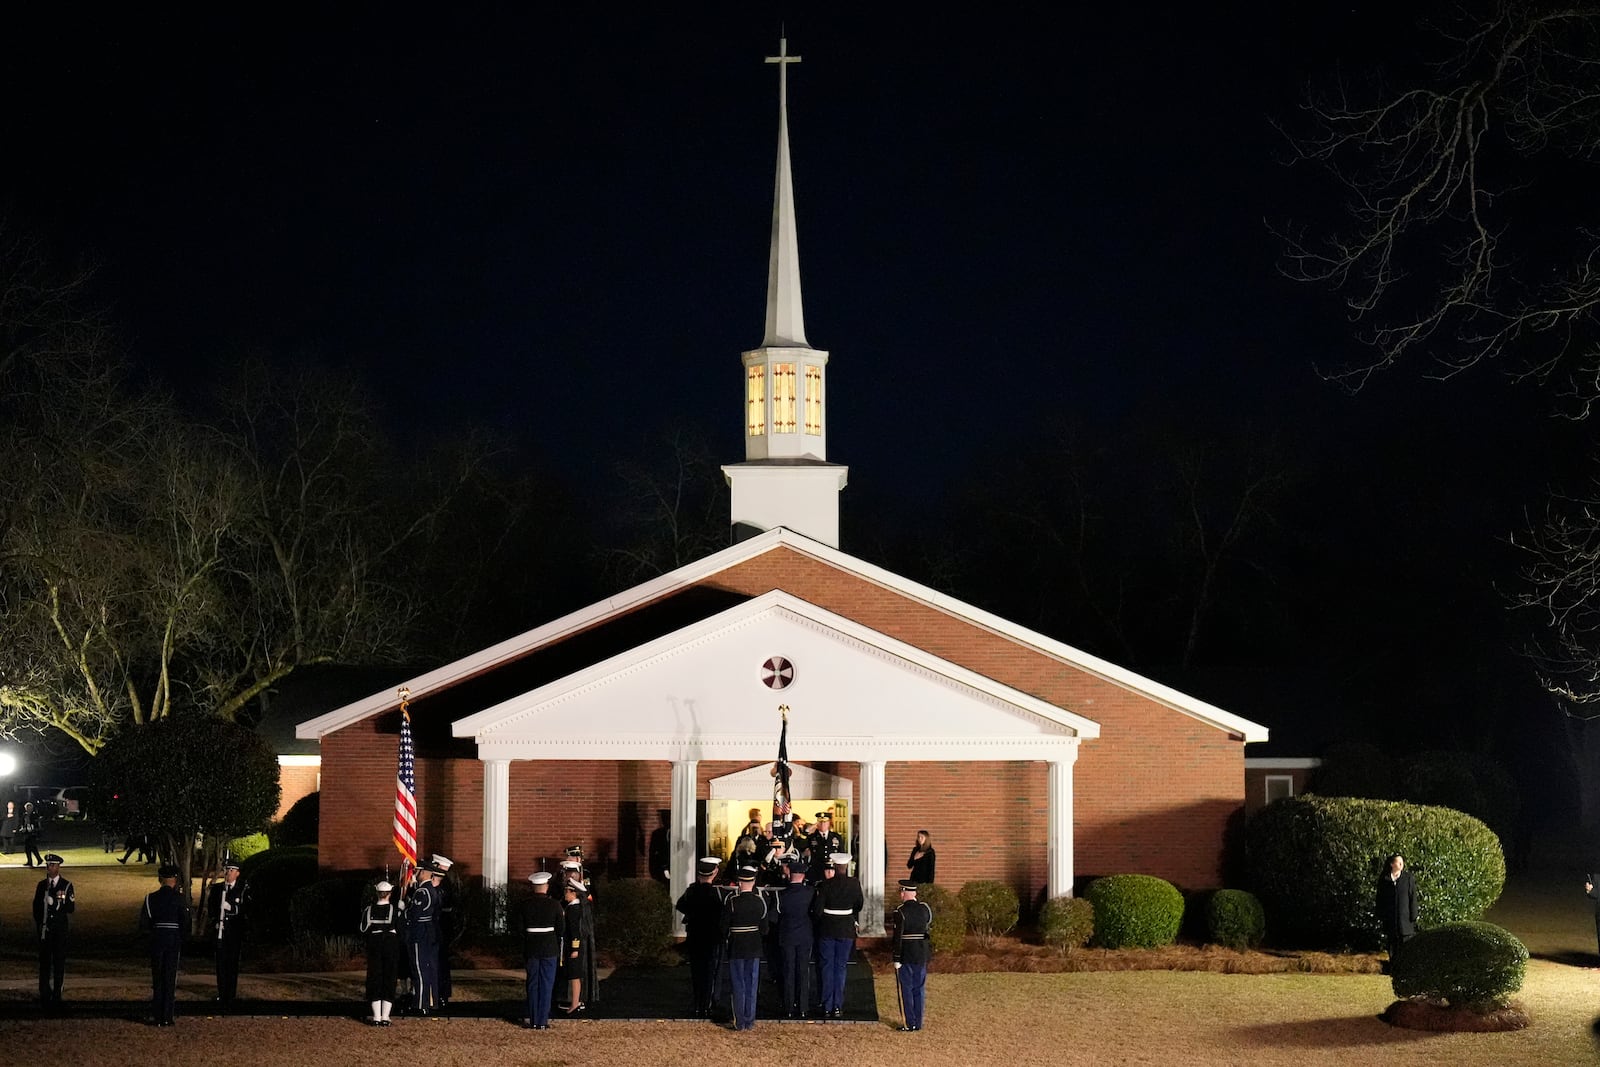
x=645, y=727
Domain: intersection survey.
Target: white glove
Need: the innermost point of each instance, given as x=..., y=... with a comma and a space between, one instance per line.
x=897, y=965
x=226, y=907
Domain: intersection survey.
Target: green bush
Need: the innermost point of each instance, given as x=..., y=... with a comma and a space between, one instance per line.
x=300, y=824
x=633, y=920
x=949, y=932
x=1066, y=923
x=242, y=848
x=327, y=908
x=991, y=908
x=1235, y=918
x=274, y=877
x=1463, y=962
x=1315, y=861
x=1135, y=911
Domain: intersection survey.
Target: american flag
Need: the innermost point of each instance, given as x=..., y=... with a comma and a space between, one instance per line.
x=405, y=799
x=780, y=776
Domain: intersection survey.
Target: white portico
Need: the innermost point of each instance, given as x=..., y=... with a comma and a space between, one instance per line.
x=857, y=696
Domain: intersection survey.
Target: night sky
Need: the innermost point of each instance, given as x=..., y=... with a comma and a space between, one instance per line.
x=557, y=225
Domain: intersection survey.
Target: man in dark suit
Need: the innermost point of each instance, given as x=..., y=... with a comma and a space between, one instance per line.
x=701, y=908
x=1397, y=904
x=165, y=916
x=543, y=930
x=53, y=905
x=228, y=906
x=795, y=938
x=744, y=925
x=913, y=919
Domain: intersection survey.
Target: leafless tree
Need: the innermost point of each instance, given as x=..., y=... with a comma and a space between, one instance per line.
x=672, y=507
x=1470, y=234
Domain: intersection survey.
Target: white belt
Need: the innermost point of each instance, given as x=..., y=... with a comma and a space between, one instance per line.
x=743, y=929
x=540, y=930
x=836, y=911
x=912, y=937
x=166, y=926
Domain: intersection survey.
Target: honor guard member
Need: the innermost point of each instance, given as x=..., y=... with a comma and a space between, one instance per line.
x=444, y=895
x=795, y=938
x=53, y=905
x=913, y=919
x=577, y=948
x=837, y=905
x=380, y=926
x=701, y=908
x=824, y=844
x=543, y=932
x=574, y=867
x=744, y=925
x=422, y=943
x=164, y=917
x=228, y=905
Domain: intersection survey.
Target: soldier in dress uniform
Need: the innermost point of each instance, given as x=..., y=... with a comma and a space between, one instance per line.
x=577, y=953
x=380, y=926
x=228, y=905
x=744, y=925
x=836, y=907
x=795, y=938
x=701, y=908
x=543, y=933
x=824, y=844
x=422, y=943
x=53, y=904
x=913, y=919
x=165, y=917
x=445, y=903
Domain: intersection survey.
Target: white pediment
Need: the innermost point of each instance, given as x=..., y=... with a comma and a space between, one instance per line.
x=698, y=693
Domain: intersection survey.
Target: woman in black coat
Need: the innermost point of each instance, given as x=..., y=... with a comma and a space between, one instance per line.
x=921, y=861
x=1397, y=903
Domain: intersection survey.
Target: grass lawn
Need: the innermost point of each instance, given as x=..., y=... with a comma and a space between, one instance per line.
x=1128, y=1017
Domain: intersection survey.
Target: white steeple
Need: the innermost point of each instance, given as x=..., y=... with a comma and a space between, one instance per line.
x=786, y=479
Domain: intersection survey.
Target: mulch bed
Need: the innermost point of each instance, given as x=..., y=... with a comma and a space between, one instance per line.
x=1418, y=1013
x=1012, y=955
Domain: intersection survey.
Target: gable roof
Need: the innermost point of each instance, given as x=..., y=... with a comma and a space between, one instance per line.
x=538, y=643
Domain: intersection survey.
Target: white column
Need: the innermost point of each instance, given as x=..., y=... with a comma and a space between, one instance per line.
x=1059, y=880
x=684, y=830
x=869, y=850
x=496, y=827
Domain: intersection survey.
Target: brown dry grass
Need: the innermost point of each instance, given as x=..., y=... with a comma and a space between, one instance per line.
x=1426, y=1015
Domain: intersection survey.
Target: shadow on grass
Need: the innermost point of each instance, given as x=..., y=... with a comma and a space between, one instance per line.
x=1354, y=1031
x=1571, y=959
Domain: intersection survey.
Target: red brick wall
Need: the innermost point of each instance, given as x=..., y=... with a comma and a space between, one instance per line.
x=1152, y=795
x=296, y=782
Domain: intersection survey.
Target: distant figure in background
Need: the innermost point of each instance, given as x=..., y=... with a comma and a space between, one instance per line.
x=228, y=905
x=165, y=916
x=31, y=825
x=1397, y=903
x=660, y=852
x=9, y=827
x=1594, y=895
x=53, y=904
x=380, y=926
x=147, y=852
x=920, y=864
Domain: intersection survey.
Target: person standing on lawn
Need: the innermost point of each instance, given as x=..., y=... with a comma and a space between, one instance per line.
x=701, y=908
x=744, y=925
x=836, y=907
x=543, y=931
x=380, y=926
x=913, y=920
x=53, y=904
x=577, y=952
x=228, y=904
x=1397, y=903
x=1594, y=895
x=165, y=917
x=795, y=938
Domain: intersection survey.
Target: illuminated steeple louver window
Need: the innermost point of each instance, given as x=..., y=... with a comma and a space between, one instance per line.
x=783, y=398
x=756, y=400
x=813, y=400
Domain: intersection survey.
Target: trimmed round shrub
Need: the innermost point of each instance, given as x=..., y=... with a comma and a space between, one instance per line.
x=300, y=824
x=991, y=908
x=1135, y=911
x=274, y=877
x=1315, y=862
x=949, y=931
x=1066, y=923
x=242, y=848
x=1466, y=963
x=1235, y=919
x=633, y=920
